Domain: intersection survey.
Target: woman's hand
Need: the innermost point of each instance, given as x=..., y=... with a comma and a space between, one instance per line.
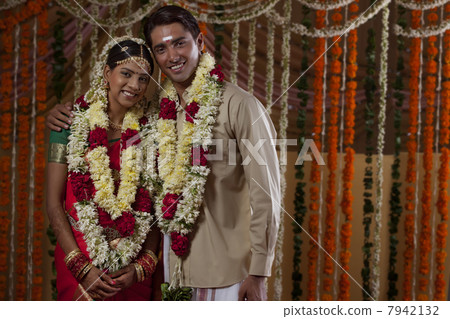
x=125, y=277
x=99, y=285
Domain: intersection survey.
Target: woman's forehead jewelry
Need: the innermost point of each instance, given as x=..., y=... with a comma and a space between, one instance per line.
x=141, y=61
x=124, y=49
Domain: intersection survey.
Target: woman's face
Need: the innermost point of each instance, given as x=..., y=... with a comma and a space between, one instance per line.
x=127, y=83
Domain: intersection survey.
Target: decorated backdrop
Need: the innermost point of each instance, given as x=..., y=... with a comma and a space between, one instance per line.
x=366, y=82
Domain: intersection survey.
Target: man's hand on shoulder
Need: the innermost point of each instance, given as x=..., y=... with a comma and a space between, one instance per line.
x=253, y=289
x=60, y=116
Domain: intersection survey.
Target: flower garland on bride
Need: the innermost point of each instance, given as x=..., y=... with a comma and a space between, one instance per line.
x=182, y=163
x=99, y=206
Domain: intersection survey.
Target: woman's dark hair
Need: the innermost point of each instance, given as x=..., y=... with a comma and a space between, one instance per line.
x=117, y=53
x=168, y=15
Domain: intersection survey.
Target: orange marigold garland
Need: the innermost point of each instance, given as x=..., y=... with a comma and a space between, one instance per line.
x=330, y=229
x=5, y=188
x=22, y=164
x=39, y=162
x=428, y=136
x=316, y=135
x=411, y=144
x=348, y=172
x=313, y=255
x=443, y=173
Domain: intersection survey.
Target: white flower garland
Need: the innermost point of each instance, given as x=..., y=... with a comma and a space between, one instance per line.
x=330, y=32
x=380, y=147
x=77, y=61
x=94, y=44
x=11, y=4
x=278, y=286
x=425, y=5
x=423, y=32
x=251, y=55
x=269, y=66
x=173, y=163
x=234, y=53
x=137, y=16
x=102, y=255
x=325, y=5
x=236, y=15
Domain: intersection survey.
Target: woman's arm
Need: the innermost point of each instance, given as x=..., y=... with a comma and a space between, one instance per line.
x=127, y=276
x=97, y=284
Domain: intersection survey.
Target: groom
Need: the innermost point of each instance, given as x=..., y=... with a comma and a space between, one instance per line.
x=232, y=243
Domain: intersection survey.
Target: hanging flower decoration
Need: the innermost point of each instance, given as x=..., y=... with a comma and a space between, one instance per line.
x=348, y=172
x=300, y=194
x=411, y=144
x=428, y=136
x=440, y=287
x=334, y=87
x=319, y=68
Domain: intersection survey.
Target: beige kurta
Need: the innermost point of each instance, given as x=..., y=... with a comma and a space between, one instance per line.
x=236, y=230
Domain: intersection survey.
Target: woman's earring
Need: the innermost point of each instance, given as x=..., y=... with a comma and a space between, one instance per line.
x=105, y=84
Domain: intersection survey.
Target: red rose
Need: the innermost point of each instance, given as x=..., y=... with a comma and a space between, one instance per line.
x=198, y=156
x=191, y=111
x=168, y=109
x=143, y=120
x=170, y=203
x=180, y=244
x=217, y=71
x=82, y=186
x=98, y=137
x=130, y=137
x=104, y=219
x=82, y=102
x=125, y=224
x=142, y=201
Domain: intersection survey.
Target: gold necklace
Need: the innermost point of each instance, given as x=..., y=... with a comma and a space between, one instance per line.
x=114, y=126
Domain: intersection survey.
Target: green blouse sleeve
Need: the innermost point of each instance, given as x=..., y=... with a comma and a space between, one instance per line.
x=57, y=150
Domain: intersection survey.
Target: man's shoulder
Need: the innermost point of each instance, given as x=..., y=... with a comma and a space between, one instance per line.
x=236, y=93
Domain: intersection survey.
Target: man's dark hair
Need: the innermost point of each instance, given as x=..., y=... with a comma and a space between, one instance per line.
x=168, y=15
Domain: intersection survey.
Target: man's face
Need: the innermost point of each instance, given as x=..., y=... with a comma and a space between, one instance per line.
x=176, y=52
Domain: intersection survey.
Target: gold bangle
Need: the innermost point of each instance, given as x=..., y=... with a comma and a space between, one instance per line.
x=71, y=255
x=138, y=272
x=77, y=275
x=152, y=256
x=85, y=271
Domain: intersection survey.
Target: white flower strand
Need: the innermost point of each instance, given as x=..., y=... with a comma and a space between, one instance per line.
x=269, y=65
x=332, y=31
x=251, y=55
x=11, y=4
x=424, y=5
x=238, y=16
x=234, y=53
x=77, y=62
x=326, y=5
x=94, y=43
x=380, y=147
x=278, y=285
x=422, y=32
x=137, y=16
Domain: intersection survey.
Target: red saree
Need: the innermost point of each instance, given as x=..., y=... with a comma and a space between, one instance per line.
x=67, y=286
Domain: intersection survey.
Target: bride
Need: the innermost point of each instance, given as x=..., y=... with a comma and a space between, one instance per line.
x=98, y=197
